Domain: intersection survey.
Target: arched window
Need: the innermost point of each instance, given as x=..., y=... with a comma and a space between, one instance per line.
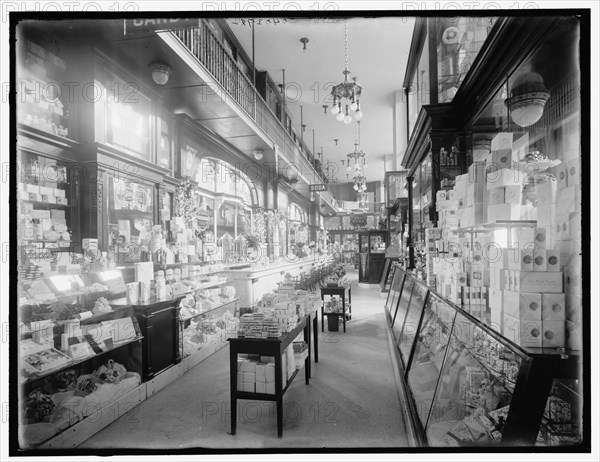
x=295, y=213
x=221, y=177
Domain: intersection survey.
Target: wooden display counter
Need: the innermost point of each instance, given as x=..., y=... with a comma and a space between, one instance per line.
x=251, y=283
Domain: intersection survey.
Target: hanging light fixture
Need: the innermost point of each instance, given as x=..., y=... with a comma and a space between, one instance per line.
x=358, y=155
x=346, y=95
x=527, y=99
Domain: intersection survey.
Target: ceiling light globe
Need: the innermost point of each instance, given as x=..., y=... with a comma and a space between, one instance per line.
x=358, y=115
x=354, y=106
x=347, y=119
x=355, y=187
x=334, y=109
x=340, y=116
x=348, y=168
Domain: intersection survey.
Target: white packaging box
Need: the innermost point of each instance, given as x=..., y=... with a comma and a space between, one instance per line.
x=240, y=380
x=546, y=192
x=267, y=359
x=573, y=308
x=503, y=212
x=261, y=372
x=48, y=199
x=509, y=280
x=562, y=176
x=249, y=377
x=572, y=280
x=248, y=387
x=58, y=193
x=553, y=307
x=546, y=215
x=475, y=275
x=538, y=281
x=575, y=226
x=495, y=300
x=505, y=177
x=525, y=238
x=261, y=387
x=520, y=259
x=568, y=200
x=520, y=305
x=46, y=191
x=553, y=334
x=497, y=256
x=513, y=194
x=573, y=170
x=524, y=333
x=502, y=140
x=520, y=147
x=270, y=372
x=539, y=261
x=474, y=193
x=144, y=271
x=270, y=388
x=500, y=159
x=573, y=335
x=493, y=196
x=496, y=320
x=32, y=188
x=497, y=279
x=247, y=366
x=440, y=195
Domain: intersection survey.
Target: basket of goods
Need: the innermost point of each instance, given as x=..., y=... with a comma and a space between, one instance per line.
x=39, y=407
x=85, y=385
x=111, y=372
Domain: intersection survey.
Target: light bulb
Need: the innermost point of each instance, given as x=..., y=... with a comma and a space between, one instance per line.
x=353, y=106
x=334, y=109
x=365, y=166
x=355, y=188
x=340, y=116
x=348, y=168
x=347, y=119
x=358, y=115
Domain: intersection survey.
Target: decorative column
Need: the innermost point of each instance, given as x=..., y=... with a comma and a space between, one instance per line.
x=409, y=240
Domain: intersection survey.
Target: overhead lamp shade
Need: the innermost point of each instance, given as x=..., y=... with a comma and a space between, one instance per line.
x=354, y=106
x=160, y=73
x=528, y=97
x=347, y=119
x=358, y=115
x=334, y=109
x=340, y=116
x=348, y=168
x=258, y=154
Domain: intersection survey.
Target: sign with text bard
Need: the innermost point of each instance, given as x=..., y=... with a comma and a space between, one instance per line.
x=317, y=187
x=149, y=25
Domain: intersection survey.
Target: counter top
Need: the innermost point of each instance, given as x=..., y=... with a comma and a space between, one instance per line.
x=279, y=267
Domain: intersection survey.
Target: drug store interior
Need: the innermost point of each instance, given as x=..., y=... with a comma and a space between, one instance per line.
x=201, y=205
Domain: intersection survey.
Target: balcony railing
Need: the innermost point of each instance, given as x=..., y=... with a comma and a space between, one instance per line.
x=210, y=52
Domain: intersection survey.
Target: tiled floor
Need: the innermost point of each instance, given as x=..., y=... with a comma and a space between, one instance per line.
x=352, y=399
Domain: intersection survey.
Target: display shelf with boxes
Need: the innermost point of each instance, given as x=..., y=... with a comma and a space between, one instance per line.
x=468, y=385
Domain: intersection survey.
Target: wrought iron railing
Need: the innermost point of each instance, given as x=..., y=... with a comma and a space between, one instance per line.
x=211, y=54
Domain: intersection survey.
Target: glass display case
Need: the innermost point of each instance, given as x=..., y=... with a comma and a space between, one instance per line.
x=469, y=386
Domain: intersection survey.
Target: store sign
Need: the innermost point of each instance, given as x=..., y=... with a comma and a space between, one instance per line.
x=348, y=205
x=149, y=25
x=358, y=221
x=317, y=187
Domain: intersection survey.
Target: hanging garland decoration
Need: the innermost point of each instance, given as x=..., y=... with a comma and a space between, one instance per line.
x=188, y=206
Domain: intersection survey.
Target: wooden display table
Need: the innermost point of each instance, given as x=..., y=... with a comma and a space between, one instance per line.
x=266, y=347
x=341, y=292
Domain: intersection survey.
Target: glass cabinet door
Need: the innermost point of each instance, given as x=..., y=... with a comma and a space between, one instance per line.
x=430, y=349
x=403, y=303
x=475, y=388
x=411, y=321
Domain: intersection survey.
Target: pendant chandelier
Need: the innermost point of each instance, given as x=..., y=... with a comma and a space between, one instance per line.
x=346, y=95
x=360, y=163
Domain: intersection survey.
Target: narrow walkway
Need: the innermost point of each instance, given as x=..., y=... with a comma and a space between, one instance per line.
x=352, y=400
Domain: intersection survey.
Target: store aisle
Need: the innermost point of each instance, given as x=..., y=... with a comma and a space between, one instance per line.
x=352, y=400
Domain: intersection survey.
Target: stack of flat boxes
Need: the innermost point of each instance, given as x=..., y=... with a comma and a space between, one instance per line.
x=526, y=297
x=431, y=236
x=257, y=375
x=469, y=191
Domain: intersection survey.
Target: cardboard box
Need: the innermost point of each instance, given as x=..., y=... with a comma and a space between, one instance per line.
x=49, y=199
x=59, y=193
x=525, y=333
x=144, y=271
x=261, y=372
x=573, y=170
x=573, y=335
x=505, y=177
x=493, y=196
x=538, y=281
x=270, y=373
x=553, y=334
x=539, y=261
x=573, y=308
x=475, y=275
x=500, y=159
x=261, y=387
x=553, y=307
x=546, y=192
x=270, y=388
x=572, y=280
x=36, y=197
x=546, y=215
x=249, y=376
x=46, y=191
x=568, y=200
x=521, y=305
x=502, y=140
x=247, y=366
x=62, y=201
x=575, y=226
x=496, y=300
x=249, y=387
x=497, y=279
x=32, y=188
x=240, y=380
x=509, y=278
x=496, y=320
x=503, y=212
x=561, y=176
x=520, y=259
